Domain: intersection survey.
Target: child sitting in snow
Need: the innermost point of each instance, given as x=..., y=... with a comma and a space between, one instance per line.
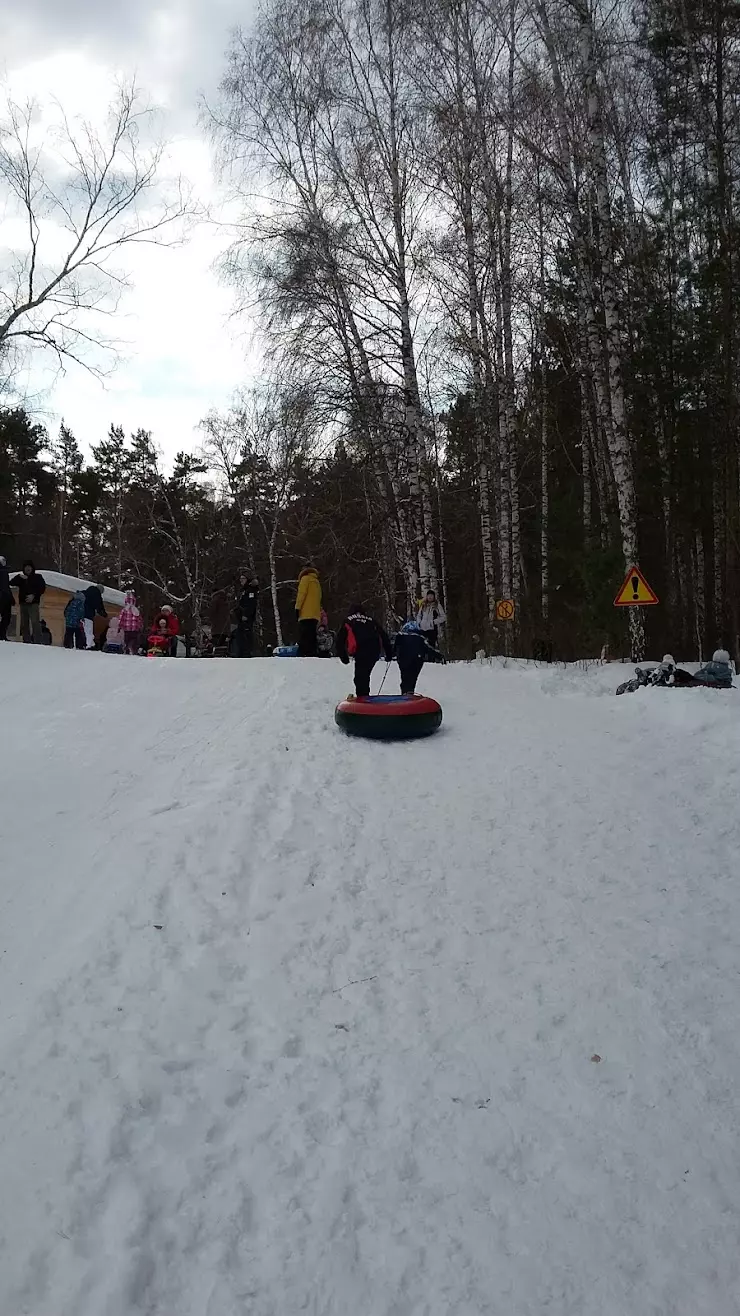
x=718, y=673
x=412, y=651
x=114, y=637
x=158, y=643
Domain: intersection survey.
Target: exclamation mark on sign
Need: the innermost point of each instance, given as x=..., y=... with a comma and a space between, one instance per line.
x=635, y=588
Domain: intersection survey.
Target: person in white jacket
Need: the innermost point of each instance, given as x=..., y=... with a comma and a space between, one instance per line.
x=430, y=617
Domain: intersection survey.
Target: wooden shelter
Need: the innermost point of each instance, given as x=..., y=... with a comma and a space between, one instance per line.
x=59, y=590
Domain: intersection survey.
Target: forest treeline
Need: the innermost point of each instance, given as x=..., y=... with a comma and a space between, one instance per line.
x=492, y=249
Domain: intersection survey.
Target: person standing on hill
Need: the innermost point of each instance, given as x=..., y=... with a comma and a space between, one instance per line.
x=94, y=607
x=430, y=617
x=6, y=600
x=74, y=617
x=308, y=611
x=412, y=651
x=246, y=614
x=129, y=620
x=31, y=587
x=360, y=637
x=219, y=619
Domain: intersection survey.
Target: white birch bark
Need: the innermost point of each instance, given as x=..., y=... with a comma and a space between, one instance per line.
x=271, y=540
x=621, y=452
x=700, y=605
x=483, y=479
x=508, y=381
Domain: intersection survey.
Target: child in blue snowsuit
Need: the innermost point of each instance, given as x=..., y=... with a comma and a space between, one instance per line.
x=412, y=651
x=74, y=613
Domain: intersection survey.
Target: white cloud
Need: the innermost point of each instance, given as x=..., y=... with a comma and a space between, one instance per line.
x=184, y=352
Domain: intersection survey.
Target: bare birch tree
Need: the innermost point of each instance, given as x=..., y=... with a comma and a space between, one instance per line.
x=74, y=199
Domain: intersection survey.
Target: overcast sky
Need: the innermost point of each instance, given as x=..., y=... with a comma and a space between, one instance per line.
x=183, y=354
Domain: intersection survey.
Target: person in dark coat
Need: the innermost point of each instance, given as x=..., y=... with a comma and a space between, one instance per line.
x=219, y=618
x=31, y=587
x=360, y=637
x=94, y=607
x=246, y=613
x=6, y=599
x=412, y=651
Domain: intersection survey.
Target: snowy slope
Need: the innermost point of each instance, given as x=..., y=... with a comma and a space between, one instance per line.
x=352, y=1074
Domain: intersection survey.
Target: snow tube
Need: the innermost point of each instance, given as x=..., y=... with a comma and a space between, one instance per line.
x=389, y=717
x=285, y=651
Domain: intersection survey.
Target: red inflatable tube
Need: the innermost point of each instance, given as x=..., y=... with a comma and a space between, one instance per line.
x=389, y=717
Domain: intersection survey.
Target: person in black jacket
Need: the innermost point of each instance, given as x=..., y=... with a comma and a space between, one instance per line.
x=94, y=607
x=412, y=651
x=6, y=599
x=30, y=586
x=360, y=637
x=245, y=613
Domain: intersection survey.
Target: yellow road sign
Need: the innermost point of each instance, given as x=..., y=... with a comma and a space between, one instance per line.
x=635, y=592
x=505, y=609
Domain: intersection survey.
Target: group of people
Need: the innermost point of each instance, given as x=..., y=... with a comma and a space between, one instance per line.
x=232, y=622
x=87, y=625
x=311, y=616
x=122, y=633
x=363, y=640
x=360, y=638
x=714, y=675
x=79, y=618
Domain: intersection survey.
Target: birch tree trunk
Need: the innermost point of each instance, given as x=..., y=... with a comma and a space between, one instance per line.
x=613, y=408
x=698, y=563
x=271, y=541
x=484, y=495
x=508, y=381
x=586, y=505
x=621, y=452
x=544, y=422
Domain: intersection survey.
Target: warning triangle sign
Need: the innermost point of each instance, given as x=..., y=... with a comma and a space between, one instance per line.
x=635, y=592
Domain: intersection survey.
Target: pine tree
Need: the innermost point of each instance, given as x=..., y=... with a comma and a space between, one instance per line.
x=66, y=464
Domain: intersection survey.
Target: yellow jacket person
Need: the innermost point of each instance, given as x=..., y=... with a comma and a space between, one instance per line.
x=308, y=609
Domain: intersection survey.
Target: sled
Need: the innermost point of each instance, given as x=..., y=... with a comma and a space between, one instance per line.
x=388, y=717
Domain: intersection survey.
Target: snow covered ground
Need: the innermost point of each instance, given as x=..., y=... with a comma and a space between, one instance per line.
x=291, y=1023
